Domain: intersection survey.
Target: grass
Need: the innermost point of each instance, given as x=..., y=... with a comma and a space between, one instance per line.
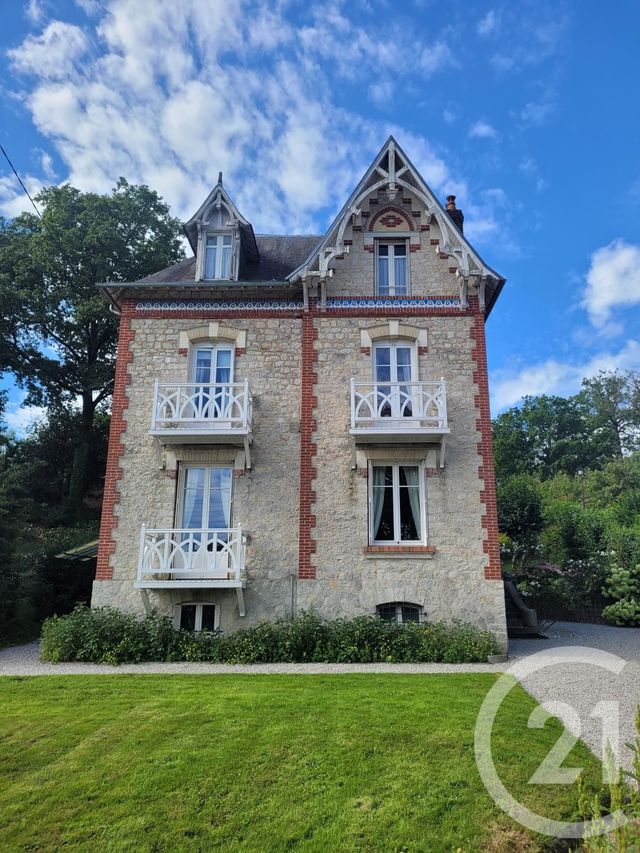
x=196, y=763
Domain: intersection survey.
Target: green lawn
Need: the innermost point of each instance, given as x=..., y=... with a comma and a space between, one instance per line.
x=348, y=762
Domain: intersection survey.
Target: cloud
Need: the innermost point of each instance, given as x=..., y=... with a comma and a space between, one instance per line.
x=20, y=418
x=488, y=25
x=207, y=85
x=535, y=113
x=52, y=54
x=613, y=281
x=483, y=130
x=448, y=116
x=531, y=36
x=557, y=377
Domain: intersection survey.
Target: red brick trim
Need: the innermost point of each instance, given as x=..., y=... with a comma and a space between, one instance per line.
x=390, y=210
x=240, y=350
x=425, y=228
x=453, y=269
x=395, y=311
x=308, y=448
x=399, y=549
x=491, y=545
x=423, y=350
x=119, y=404
x=365, y=350
x=183, y=351
x=434, y=241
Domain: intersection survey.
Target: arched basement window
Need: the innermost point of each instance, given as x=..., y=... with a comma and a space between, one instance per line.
x=399, y=611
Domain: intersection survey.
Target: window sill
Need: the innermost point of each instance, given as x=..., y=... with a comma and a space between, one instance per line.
x=394, y=552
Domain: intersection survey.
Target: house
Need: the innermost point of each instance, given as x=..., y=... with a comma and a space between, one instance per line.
x=304, y=421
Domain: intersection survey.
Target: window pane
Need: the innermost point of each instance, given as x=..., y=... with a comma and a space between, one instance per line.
x=400, y=250
x=400, y=275
x=383, y=364
x=387, y=612
x=226, y=241
x=208, y=617
x=225, y=267
x=383, y=275
x=410, y=613
x=383, y=250
x=210, y=260
x=188, y=617
x=203, y=366
x=220, y=498
x=409, y=514
x=193, y=498
x=383, y=502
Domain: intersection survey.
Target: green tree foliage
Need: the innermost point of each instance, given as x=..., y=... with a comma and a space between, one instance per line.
x=57, y=334
x=612, y=404
x=520, y=508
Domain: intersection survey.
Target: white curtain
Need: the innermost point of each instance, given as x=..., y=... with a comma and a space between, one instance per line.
x=412, y=477
x=383, y=276
x=400, y=274
x=377, y=501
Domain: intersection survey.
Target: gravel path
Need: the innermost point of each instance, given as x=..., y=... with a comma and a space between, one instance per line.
x=582, y=685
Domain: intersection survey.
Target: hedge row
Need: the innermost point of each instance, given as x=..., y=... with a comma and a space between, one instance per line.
x=105, y=635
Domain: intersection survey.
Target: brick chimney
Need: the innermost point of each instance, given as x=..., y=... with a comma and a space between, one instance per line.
x=457, y=216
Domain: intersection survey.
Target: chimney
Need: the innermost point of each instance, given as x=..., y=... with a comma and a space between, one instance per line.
x=457, y=216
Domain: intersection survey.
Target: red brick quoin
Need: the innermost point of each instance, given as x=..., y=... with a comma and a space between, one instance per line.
x=491, y=545
x=308, y=448
x=120, y=402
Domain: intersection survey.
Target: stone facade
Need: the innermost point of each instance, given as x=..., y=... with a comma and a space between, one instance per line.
x=304, y=503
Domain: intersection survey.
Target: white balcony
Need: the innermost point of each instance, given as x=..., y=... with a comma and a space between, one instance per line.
x=191, y=413
x=399, y=412
x=192, y=559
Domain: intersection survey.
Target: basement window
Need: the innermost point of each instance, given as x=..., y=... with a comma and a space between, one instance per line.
x=196, y=617
x=399, y=611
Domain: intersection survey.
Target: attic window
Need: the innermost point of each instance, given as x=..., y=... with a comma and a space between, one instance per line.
x=217, y=258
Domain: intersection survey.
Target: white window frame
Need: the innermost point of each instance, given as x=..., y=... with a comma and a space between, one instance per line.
x=179, y=510
x=219, y=238
x=397, y=542
x=177, y=612
x=391, y=266
x=213, y=347
x=394, y=343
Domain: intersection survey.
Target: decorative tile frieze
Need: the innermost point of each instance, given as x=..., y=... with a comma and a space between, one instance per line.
x=219, y=305
x=393, y=303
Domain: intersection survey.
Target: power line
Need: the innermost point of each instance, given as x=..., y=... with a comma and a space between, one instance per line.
x=13, y=169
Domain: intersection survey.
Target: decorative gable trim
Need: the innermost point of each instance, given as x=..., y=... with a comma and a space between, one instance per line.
x=392, y=329
x=212, y=331
x=393, y=176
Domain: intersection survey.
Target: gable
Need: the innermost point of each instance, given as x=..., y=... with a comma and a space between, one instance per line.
x=407, y=206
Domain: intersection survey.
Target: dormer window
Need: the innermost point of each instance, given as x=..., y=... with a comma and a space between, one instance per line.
x=217, y=260
x=392, y=271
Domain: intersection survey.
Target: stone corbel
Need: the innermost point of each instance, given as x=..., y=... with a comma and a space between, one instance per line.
x=463, y=282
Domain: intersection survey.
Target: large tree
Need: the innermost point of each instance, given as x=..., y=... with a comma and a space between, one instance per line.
x=58, y=337
x=612, y=402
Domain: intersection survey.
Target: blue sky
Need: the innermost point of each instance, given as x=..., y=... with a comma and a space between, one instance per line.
x=528, y=111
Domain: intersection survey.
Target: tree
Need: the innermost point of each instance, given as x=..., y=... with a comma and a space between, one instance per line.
x=612, y=403
x=58, y=335
x=520, y=509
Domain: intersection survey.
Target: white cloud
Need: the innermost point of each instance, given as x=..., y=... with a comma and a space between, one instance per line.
x=52, y=54
x=529, y=36
x=381, y=92
x=19, y=418
x=535, y=113
x=12, y=198
x=164, y=99
x=34, y=11
x=613, y=281
x=448, y=116
x=557, y=377
x=483, y=130
x=489, y=25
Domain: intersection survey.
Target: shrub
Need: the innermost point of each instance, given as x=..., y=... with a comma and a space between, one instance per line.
x=104, y=635
x=623, y=585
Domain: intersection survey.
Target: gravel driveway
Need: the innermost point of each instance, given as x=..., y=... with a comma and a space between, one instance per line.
x=583, y=686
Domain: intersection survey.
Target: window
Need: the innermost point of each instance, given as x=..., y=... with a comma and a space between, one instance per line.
x=392, y=271
x=397, y=506
x=196, y=617
x=213, y=367
x=393, y=365
x=217, y=256
x=203, y=519
x=399, y=611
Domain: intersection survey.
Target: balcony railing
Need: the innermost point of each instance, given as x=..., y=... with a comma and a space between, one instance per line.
x=191, y=558
x=406, y=410
x=199, y=412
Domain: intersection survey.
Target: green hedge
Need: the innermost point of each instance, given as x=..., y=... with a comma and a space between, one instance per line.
x=104, y=635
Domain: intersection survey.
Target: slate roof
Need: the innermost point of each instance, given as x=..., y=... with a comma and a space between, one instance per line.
x=279, y=255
